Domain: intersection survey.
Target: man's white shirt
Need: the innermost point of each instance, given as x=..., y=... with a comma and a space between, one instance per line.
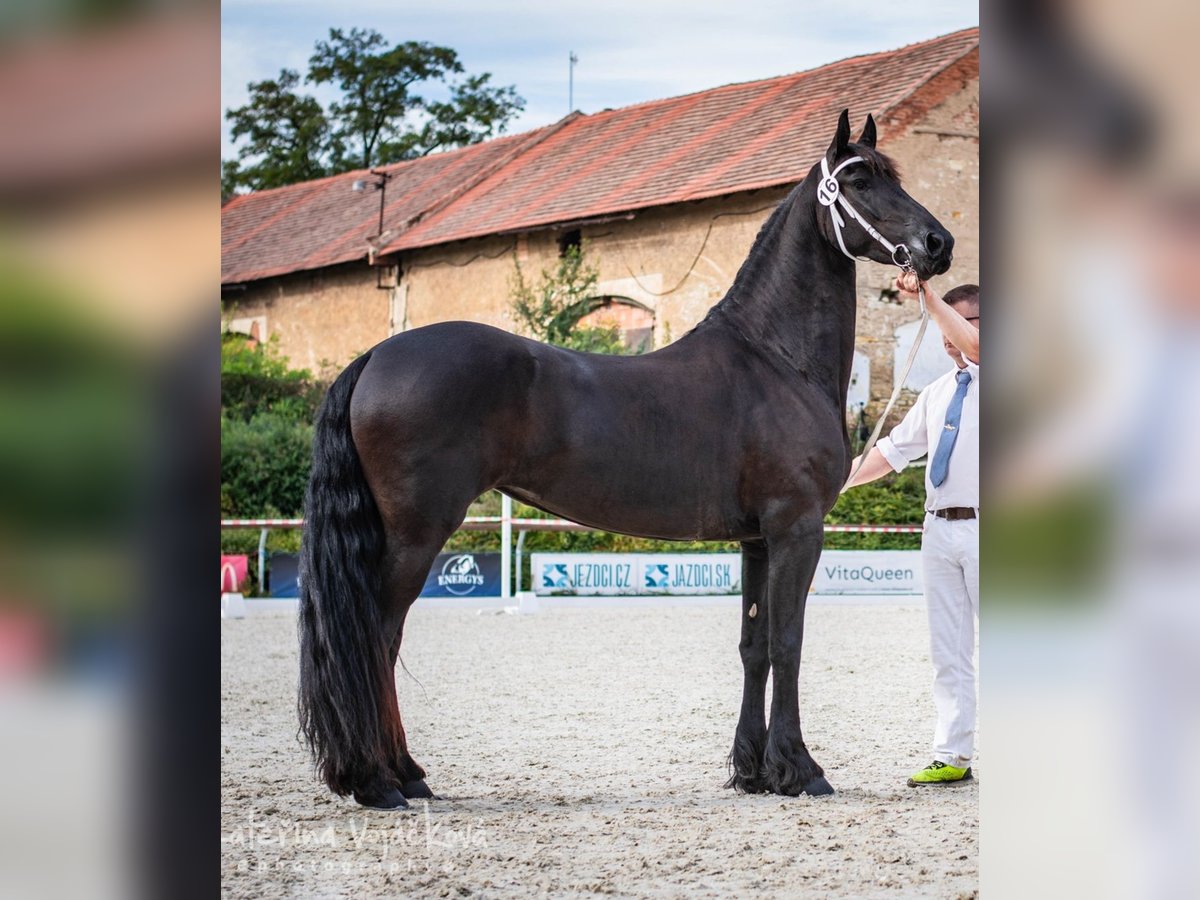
x=919, y=432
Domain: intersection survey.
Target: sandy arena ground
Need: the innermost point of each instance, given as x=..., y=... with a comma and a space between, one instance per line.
x=583, y=751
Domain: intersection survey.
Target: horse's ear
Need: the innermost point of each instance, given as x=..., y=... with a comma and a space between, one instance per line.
x=841, y=139
x=868, y=135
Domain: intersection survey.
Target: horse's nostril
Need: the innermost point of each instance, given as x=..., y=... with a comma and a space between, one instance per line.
x=934, y=243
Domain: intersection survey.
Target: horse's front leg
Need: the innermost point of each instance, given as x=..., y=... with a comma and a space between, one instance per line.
x=789, y=767
x=750, y=741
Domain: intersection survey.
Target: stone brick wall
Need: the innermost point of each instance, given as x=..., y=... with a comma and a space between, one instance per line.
x=323, y=318
x=677, y=261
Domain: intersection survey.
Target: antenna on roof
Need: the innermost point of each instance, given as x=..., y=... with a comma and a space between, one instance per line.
x=571, y=81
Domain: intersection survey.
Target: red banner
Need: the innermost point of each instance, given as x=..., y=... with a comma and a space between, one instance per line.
x=233, y=572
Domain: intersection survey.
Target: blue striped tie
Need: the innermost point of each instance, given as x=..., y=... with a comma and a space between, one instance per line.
x=941, y=457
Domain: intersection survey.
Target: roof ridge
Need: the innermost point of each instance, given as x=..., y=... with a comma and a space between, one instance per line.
x=238, y=199
x=370, y=248
x=466, y=148
x=532, y=139
x=802, y=72
x=389, y=167
x=937, y=73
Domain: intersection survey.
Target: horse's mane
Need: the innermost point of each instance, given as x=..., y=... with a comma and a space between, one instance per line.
x=764, y=254
x=758, y=257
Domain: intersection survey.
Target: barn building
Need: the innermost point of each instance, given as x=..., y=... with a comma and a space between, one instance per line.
x=667, y=196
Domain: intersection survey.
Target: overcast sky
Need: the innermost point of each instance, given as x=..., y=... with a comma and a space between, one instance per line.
x=629, y=50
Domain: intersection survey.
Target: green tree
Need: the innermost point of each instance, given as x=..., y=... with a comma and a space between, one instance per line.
x=474, y=113
x=382, y=116
x=552, y=308
x=258, y=378
x=383, y=113
x=287, y=137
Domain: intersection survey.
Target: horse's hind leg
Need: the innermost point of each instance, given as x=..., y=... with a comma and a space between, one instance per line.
x=408, y=771
x=750, y=739
x=406, y=568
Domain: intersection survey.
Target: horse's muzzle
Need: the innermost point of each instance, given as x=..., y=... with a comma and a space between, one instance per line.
x=935, y=255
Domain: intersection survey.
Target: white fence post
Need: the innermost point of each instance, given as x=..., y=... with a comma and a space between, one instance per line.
x=262, y=563
x=505, y=546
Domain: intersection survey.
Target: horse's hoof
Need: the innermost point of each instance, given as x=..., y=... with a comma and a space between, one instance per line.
x=818, y=787
x=417, y=790
x=391, y=798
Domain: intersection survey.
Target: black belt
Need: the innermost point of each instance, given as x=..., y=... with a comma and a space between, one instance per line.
x=954, y=513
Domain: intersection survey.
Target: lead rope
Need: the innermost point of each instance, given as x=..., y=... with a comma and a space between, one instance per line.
x=912, y=355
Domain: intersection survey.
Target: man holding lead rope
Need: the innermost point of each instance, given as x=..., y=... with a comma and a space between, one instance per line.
x=944, y=422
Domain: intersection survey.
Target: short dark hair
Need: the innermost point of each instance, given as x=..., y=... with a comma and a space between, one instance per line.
x=964, y=293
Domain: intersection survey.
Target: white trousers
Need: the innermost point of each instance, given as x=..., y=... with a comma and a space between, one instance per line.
x=950, y=561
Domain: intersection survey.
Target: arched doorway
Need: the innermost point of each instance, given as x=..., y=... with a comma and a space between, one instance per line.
x=635, y=321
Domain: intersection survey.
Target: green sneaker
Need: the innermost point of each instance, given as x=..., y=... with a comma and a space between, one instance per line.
x=939, y=773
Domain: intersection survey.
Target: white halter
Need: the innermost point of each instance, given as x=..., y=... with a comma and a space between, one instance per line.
x=829, y=192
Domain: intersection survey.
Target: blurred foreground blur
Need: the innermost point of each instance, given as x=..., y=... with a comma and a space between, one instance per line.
x=109, y=246
x=1090, y=628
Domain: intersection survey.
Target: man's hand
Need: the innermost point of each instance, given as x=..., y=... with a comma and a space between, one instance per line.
x=908, y=283
x=953, y=326
x=910, y=286
x=873, y=469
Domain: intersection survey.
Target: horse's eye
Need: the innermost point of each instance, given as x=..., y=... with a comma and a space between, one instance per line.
x=861, y=184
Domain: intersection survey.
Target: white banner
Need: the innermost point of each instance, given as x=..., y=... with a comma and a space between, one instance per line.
x=617, y=574
x=868, y=572
x=632, y=574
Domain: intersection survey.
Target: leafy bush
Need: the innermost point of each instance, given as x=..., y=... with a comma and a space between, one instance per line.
x=257, y=379
x=264, y=465
x=552, y=308
x=597, y=339
x=895, y=500
x=267, y=411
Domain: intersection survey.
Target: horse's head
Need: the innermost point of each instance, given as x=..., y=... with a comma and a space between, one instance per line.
x=859, y=190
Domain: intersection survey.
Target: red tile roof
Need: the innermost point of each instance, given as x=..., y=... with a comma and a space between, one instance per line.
x=733, y=138
x=324, y=222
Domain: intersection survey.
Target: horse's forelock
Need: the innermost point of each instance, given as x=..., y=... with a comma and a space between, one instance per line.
x=879, y=163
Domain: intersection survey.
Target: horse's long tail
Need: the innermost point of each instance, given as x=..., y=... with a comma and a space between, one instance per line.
x=344, y=659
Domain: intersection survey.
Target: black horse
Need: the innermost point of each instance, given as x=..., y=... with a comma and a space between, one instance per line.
x=734, y=432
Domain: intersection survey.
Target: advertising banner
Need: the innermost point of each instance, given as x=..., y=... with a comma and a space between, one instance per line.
x=233, y=571
x=868, y=572
x=464, y=575
x=633, y=574
x=284, y=574
x=616, y=574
